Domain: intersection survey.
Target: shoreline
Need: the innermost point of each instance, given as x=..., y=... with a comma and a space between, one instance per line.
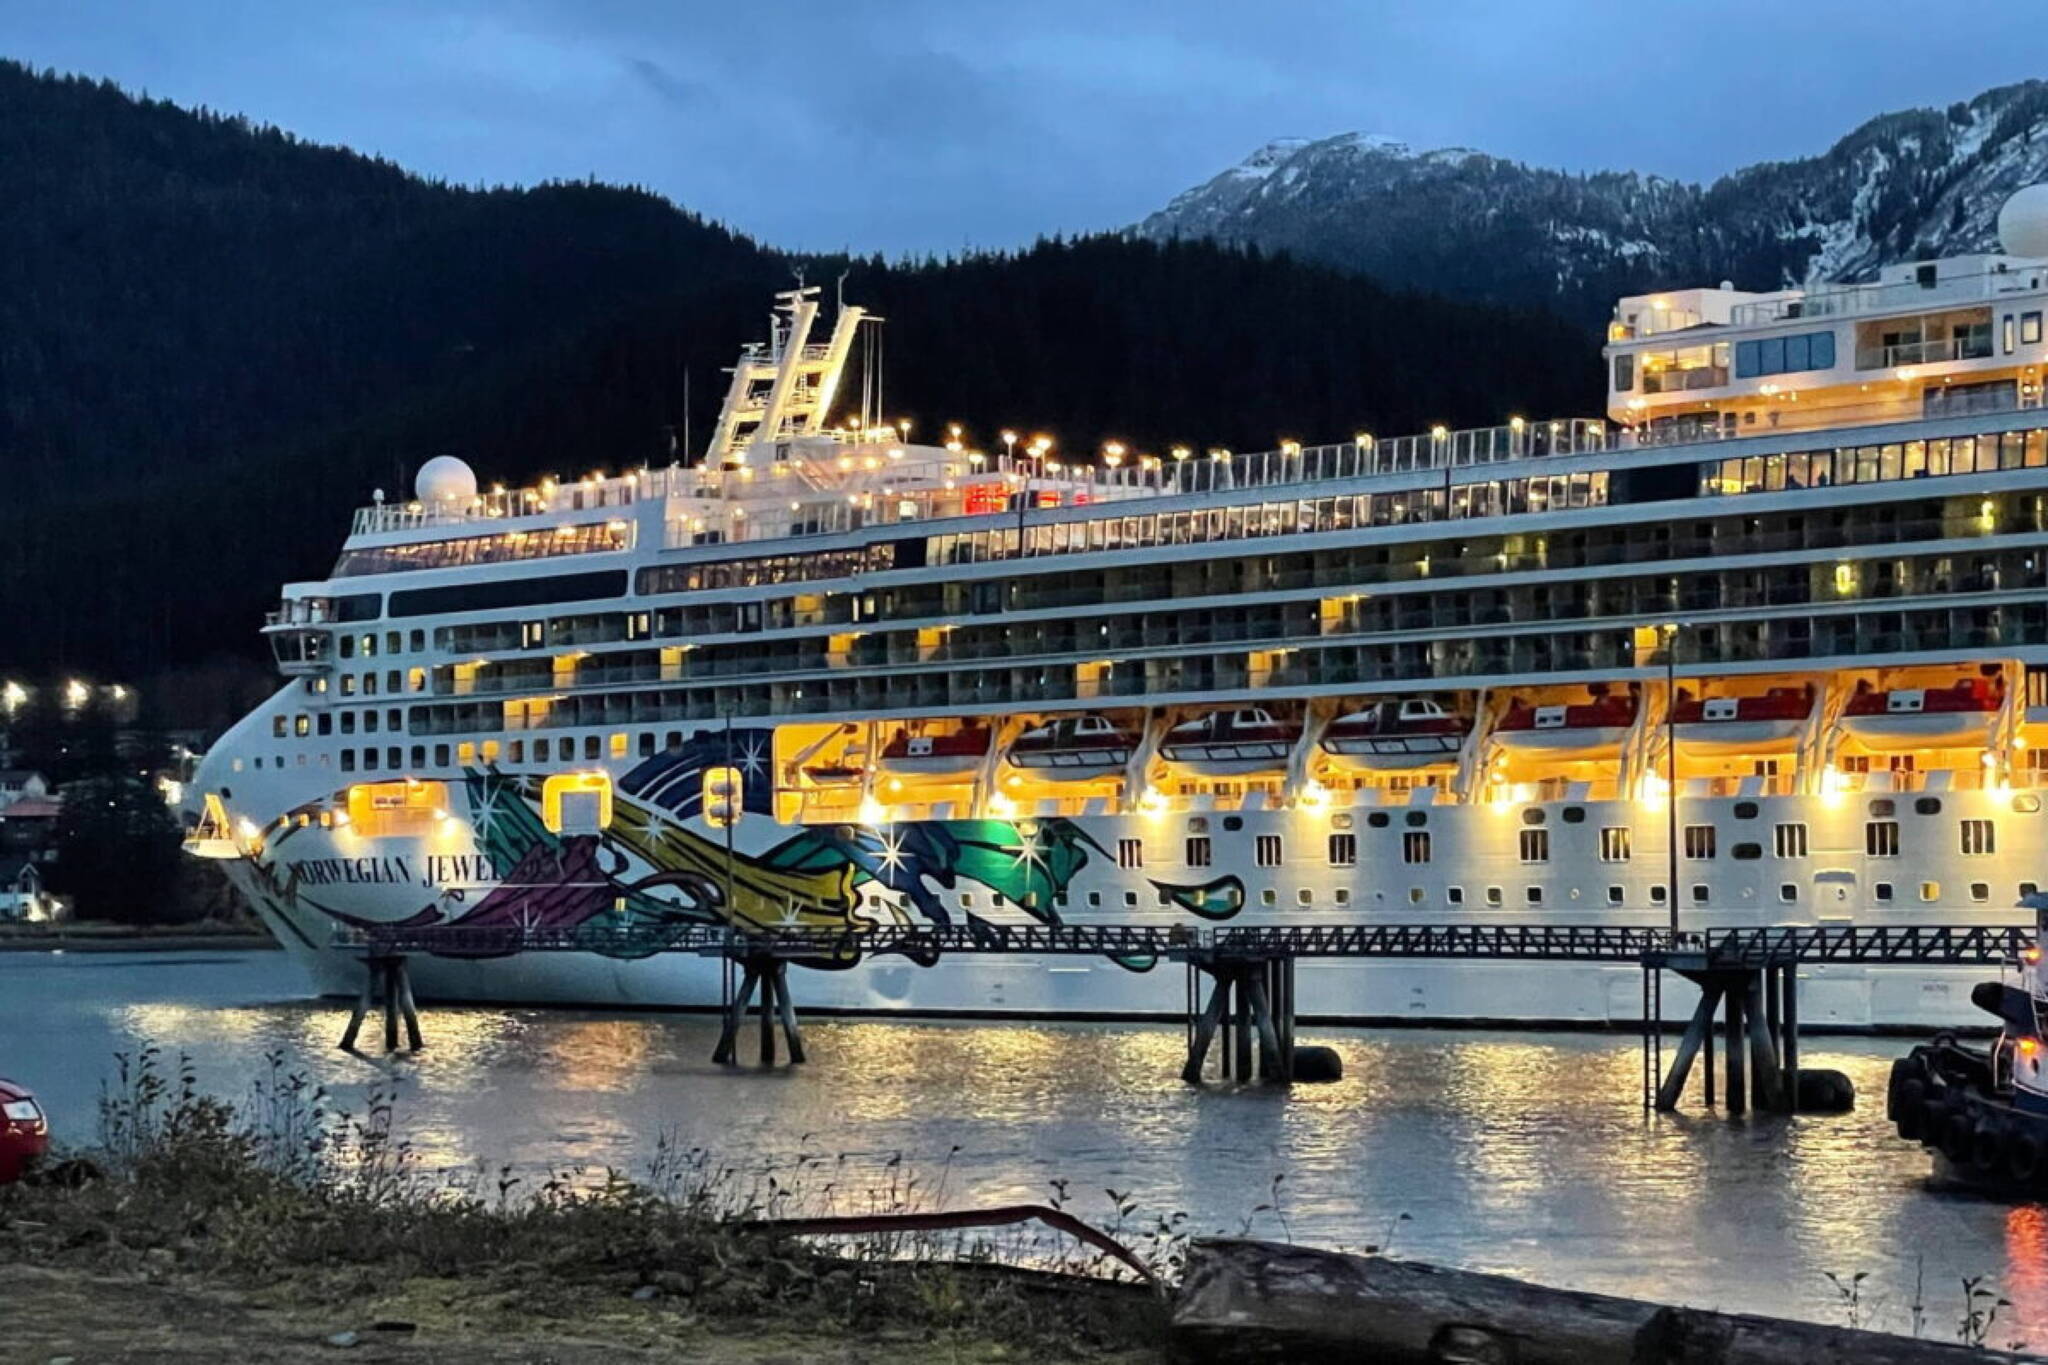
x=127, y=938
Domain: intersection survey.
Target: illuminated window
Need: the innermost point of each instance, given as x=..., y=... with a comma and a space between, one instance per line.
x=576, y=803
x=465, y=753
x=618, y=746
x=379, y=810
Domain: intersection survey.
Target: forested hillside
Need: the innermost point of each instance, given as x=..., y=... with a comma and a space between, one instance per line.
x=215, y=340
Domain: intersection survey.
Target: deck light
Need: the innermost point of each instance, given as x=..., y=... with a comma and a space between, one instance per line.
x=1218, y=453
x=1361, y=438
x=873, y=812
x=13, y=696
x=1181, y=452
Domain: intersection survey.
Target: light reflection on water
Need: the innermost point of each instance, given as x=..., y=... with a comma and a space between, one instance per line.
x=1527, y=1154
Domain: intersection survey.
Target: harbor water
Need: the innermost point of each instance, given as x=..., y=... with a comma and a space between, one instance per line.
x=1523, y=1153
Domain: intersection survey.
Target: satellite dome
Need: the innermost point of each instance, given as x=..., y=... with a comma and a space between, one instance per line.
x=2023, y=223
x=444, y=479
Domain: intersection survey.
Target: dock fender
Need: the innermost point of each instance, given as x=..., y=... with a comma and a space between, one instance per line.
x=1987, y=1145
x=2023, y=1156
x=1909, y=1108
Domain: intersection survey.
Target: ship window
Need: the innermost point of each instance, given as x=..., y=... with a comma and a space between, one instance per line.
x=1416, y=819
x=1198, y=850
x=1624, y=373
x=370, y=722
x=1699, y=842
x=278, y=726
x=348, y=760
x=1745, y=810
x=1341, y=820
x=1574, y=815
x=1532, y=816
x=1980, y=892
x=1746, y=853
x=1130, y=853
x=1415, y=846
x=1535, y=845
x=1789, y=841
x=1787, y=892
x=1927, y=805
x=2026, y=803
x=1199, y=825
x=302, y=726
x=1233, y=823
x=618, y=745
x=1979, y=837
x=2030, y=328
x=347, y=645
x=1343, y=850
x=1269, y=897
x=540, y=750
x=1304, y=897
x=1533, y=894
x=465, y=753
x=440, y=755
x=1343, y=895
x=966, y=900
x=1493, y=895
x=1454, y=895
x=1379, y=819
x=1882, y=892
x=1130, y=898
x=2028, y=889
x=1267, y=850
x=1614, y=844
x=1881, y=838
x=1095, y=899
x=1657, y=894
x=1699, y=893
x=591, y=746
x=1883, y=809
x=1930, y=891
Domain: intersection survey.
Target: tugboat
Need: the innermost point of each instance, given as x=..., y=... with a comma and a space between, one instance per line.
x=1983, y=1112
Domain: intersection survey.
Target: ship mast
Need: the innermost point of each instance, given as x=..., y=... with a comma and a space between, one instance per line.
x=784, y=388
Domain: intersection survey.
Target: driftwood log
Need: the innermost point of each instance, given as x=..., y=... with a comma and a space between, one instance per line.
x=1244, y=1301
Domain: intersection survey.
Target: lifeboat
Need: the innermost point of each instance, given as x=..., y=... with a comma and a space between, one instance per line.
x=954, y=756
x=1924, y=717
x=1593, y=729
x=1394, y=735
x=1230, y=744
x=1767, y=724
x=1073, y=749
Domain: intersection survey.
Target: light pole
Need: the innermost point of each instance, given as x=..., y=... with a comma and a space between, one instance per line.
x=1670, y=632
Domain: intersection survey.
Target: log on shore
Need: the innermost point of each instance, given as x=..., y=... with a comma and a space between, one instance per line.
x=1246, y=1301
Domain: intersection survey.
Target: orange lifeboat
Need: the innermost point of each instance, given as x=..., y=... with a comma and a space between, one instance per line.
x=1766, y=724
x=1393, y=736
x=1593, y=729
x=1238, y=743
x=1073, y=749
x=1924, y=717
x=953, y=756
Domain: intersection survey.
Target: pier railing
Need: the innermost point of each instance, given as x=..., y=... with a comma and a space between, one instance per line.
x=1986, y=945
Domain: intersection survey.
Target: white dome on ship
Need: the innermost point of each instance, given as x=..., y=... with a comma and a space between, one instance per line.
x=2023, y=223
x=444, y=479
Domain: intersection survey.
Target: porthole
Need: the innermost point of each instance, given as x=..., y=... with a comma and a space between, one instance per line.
x=1198, y=825
x=1615, y=895
x=1884, y=808
x=1787, y=892
x=1657, y=894
x=1744, y=853
x=2026, y=803
x=1493, y=895
x=1343, y=895
x=1417, y=819
x=2029, y=889
x=1930, y=891
x=1882, y=893
x=1535, y=895
x=1341, y=820
x=1233, y=823
x=1415, y=895
x=1454, y=895
x=1379, y=819
x=1575, y=815
x=1532, y=816
x=1927, y=805
x=1745, y=810
x=1699, y=893
x=1980, y=892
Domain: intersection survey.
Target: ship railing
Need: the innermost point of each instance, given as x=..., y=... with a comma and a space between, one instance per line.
x=1854, y=299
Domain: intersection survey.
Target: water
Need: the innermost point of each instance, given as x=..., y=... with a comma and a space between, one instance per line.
x=1527, y=1154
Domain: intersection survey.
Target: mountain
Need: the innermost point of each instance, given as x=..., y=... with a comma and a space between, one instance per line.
x=216, y=340
x=1461, y=223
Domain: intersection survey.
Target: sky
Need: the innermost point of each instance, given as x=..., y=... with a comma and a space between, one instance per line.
x=921, y=126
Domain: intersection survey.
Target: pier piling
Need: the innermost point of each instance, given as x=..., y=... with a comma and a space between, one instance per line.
x=386, y=981
x=1251, y=1005
x=769, y=974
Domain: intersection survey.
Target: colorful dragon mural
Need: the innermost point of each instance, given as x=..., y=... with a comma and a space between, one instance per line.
x=652, y=868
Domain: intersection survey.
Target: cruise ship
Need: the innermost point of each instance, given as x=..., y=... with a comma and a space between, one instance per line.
x=1766, y=644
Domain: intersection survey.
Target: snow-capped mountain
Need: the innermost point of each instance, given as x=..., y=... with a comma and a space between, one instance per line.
x=1456, y=221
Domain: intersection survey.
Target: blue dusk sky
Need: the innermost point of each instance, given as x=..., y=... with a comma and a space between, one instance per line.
x=932, y=125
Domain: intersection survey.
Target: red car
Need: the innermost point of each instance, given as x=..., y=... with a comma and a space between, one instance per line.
x=24, y=1132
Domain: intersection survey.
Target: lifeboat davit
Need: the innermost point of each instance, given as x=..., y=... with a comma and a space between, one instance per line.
x=1924, y=717
x=1073, y=749
x=1395, y=735
x=1768, y=724
x=1236, y=743
x=1593, y=729
x=956, y=755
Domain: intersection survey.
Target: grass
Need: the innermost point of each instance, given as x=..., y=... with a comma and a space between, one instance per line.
x=283, y=1195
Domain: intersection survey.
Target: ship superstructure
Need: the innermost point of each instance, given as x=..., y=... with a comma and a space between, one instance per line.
x=1782, y=613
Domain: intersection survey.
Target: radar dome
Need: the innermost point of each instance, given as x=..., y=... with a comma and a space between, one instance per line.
x=444, y=479
x=2023, y=223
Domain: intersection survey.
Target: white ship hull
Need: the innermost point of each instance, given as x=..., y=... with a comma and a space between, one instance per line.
x=1919, y=730
x=1564, y=742
x=1740, y=736
x=1400, y=754
x=491, y=864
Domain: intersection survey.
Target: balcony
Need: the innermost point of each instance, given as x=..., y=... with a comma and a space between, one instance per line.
x=1940, y=349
